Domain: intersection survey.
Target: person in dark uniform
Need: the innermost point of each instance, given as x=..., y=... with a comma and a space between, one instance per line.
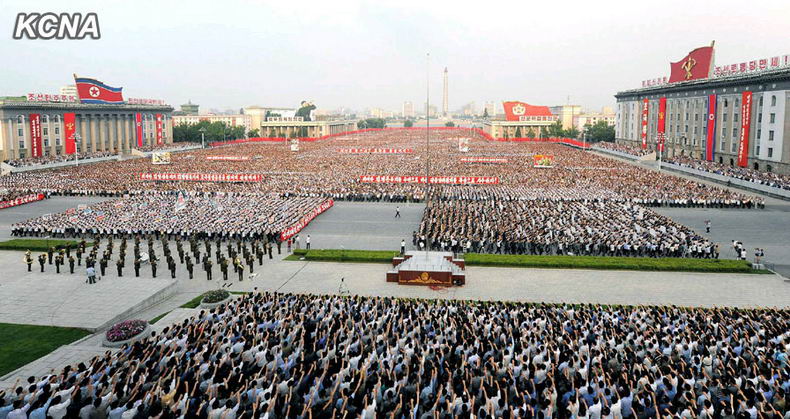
x=153, y=267
x=119, y=267
x=58, y=262
x=50, y=252
x=29, y=261
x=269, y=245
x=250, y=262
x=71, y=264
x=42, y=259
x=207, y=267
x=103, y=265
x=189, y=267
x=137, y=267
x=259, y=254
x=80, y=251
x=241, y=272
x=223, y=266
x=279, y=247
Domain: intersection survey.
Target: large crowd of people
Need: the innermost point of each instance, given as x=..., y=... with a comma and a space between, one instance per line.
x=299, y=356
x=623, y=148
x=57, y=158
x=595, y=193
x=549, y=227
x=774, y=180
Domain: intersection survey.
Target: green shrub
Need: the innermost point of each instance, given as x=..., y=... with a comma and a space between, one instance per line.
x=215, y=296
x=39, y=245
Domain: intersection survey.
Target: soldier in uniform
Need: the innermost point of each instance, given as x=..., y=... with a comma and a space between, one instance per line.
x=71, y=264
x=153, y=267
x=29, y=260
x=103, y=265
x=80, y=251
x=223, y=266
x=58, y=262
x=207, y=267
x=241, y=272
x=172, y=265
x=137, y=267
x=42, y=259
x=50, y=252
x=189, y=266
x=119, y=266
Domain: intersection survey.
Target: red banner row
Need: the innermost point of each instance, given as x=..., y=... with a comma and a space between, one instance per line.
x=228, y=158
x=201, y=177
x=483, y=160
x=438, y=180
x=296, y=228
x=21, y=200
x=375, y=150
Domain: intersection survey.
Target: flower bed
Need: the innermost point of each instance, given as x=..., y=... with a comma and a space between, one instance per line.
x=125, y=330
x=215, y=296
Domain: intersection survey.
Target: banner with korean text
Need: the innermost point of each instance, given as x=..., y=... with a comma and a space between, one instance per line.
x=304, y=221
x=438, y=180
x=21, y=200
x=661, y=128
x=375, y=150
x=201, y=177
x=138, y=124
x=710, y=139
x=228, y=158
x=746, y=124
x=543, y=161
x=159, y=128
x=70, y=132
x=644, y=124
x=495, y=160
x=35, y=135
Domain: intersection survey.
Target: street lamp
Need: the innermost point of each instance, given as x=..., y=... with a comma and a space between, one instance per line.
x=77, y=139
x=202, y=132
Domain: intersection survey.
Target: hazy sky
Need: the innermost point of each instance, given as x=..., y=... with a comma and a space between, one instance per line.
x=360, y=54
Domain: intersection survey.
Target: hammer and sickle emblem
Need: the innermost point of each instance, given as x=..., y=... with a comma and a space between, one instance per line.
x=688, y=65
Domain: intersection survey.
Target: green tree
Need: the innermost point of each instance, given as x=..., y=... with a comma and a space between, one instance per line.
x=572, y=132
x=600, y=131
x=485, y=113
x=449, y=124
x=408, y=123
x=555, y=130
x=530, y=133
x=254, y=133
x=518, y=132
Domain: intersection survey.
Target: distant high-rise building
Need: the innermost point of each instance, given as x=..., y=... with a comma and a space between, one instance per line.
x=408, y=110
x=566, y=113
x=430, y=110
x=490, y=109
x=190, y=108
x=445, y=104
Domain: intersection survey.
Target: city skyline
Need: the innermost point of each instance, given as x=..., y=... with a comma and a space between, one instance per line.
x=361, y=55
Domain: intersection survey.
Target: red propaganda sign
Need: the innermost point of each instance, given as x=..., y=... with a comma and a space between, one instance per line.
x=661, y=128
x=696, y=65
x=438, y=180
x=483, y=160
x=70, y=132
x=35, y=135
x=543, y=161
x=228, y=158
x=94, y=91
x=644, y=123
x=21, y=200
x=138, y=125
x=296, y=228
x=710, y=140
x=746, y=123
x=159, y=128
x=516, y=111
x=375, y=150
x=201, y=177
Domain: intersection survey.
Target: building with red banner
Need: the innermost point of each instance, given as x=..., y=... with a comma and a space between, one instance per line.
x=40, y=125
x=521, y=120
x=736, y=118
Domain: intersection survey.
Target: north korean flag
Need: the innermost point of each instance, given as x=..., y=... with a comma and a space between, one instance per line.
x=94, y=91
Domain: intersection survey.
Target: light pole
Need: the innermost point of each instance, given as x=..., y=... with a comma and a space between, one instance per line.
x=202, y=132
x=77, y=138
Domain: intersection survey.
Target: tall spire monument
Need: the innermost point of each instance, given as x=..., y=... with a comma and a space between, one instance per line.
x=445, y=110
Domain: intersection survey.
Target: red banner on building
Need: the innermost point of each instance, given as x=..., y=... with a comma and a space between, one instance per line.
x=696, y=65
x=439, y=180
x=159, y=128
x=661, y=128
x=483, y=160
x=296, y=228
x=138, y=125
x=201, y=177
x=644, y=123
x=70, y=132
x=21, y=200
x=746, y=124
x=710, y=139
x=515, y=111
x=35, y=135
x=375, y=150
x=228, y=158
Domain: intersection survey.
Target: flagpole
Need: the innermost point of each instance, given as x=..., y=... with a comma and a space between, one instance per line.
x=427, y=135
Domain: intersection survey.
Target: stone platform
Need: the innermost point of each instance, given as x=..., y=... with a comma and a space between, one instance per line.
x=427, y=268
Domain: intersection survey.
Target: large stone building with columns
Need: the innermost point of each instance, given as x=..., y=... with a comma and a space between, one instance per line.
x=99, y=128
